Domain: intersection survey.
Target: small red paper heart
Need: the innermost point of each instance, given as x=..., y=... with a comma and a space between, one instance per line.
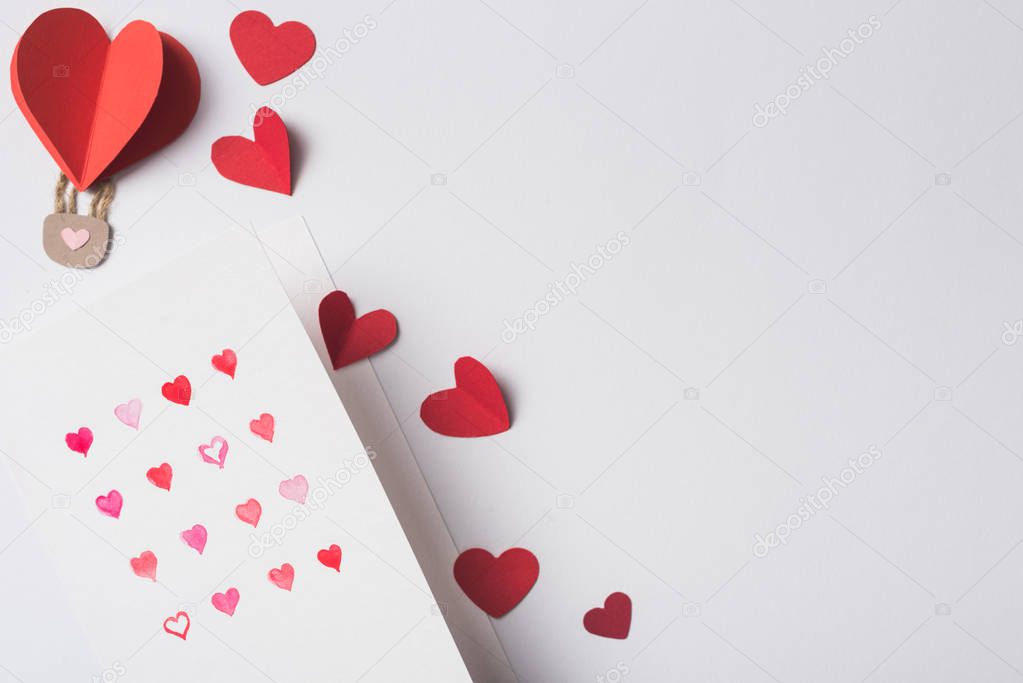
x=179, y=391
x=263, y=427
x=144, y=565
x=283, y=577
x=350, y=339
x=496, y=584
x=249, y=512
x=79, y=441
x=330, y=557
x=226, y=361
x=268, y=52
x=475, y=407
x=160, y=476
x=613, y=619
x=264, y=162
x=177, y=625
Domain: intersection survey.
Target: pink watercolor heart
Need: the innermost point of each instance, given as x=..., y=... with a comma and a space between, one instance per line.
x=74, y=239
x=226, y=601
x=79, y=442
x=195, y=537
x=295, y=489
x=221, y=454
x=110, y=504
x=249, y=511
x=282, y=578
x=129, y=413
x=263, y=427
x=144, y=565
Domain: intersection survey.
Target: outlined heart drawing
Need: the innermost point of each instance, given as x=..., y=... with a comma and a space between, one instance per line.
x=475, y=407
x=350, y=339
x=263, y=162
x=268, y=52
x=177, y=625
x=613, y=619
x=496, y=584
x=218, y=442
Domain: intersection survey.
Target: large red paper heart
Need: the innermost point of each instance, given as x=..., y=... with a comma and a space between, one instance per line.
x=264, y=162
x=99, y=105
x=475, y=407
x=268, y=52
x=613, y=619
x=179, y=391
x=350, y=339
x=496, y=584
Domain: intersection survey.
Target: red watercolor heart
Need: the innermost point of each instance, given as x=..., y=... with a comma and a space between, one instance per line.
x=268, y=52
x=249, y=512
x=227, y=601
x=475, y=407
x=177, y=625
x=613, y=619
x=283, y=577
x=331, y=557
x=144, y=565
x=79, y=441
x=263, y=427
x=226, y=361
x=110, y=504
x=264, y=162
x=179, y=391
x=350, y=339
x=160, y=476
x=496, y=584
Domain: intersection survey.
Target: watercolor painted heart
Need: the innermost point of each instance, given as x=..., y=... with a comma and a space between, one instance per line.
x=129, y=413
x=80, y=441
x=330, y=557
x=227, y=601
x=110, y=504
x=268, y=52
x=218, y=442
x=74, y=239
x=263, y=427
x=295, y=488
x=179, y=391
x=249, y=512
x=177, y=625
x=195, y=538
x=264, y=162
x=226, y=362
x=613, y=619
x=283, y=577
x=350, y=339
x=475, y=407
x=496, y=584
x=161, y=476
x=144, y=565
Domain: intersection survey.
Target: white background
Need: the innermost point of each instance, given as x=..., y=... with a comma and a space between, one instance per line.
x=837, y=279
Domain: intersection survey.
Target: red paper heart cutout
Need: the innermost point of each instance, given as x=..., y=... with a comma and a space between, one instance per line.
x=475, y=407
x=263, y=427
x=179, y=391
x=496, y=584
x=350, y=339
x=330, y=557
x=613, y=619
x=80, y=441
x=177, y=625
x=268, y=52
x=226, y=362
x=264, y=162
x=160, y=476
x=99, y=105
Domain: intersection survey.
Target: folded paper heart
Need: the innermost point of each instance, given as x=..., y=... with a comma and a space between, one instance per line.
x=79, y=441
x=613, y=619
x=218, y=442
x=264, y=162
x=496, y=584
x=268, y=52
x=350, y=339
x=160, y=476
x=99, y=105
x=475, y=407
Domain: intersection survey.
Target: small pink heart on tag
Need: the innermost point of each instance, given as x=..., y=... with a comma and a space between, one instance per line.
x=195, y=537
x=110, y=504
x=144, y=565
x=74, y=239
x=129, y=413
x=226, y=601
x=295, y=489
x=249, y=512
x=263, y=427
x=221, y=452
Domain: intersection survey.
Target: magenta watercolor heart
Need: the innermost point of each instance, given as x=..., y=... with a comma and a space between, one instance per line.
x=195, y=537
x=221, y=452
x=79, y=441
x=110, y=504
x=295, y=489
x=129, y=413
x=227, y=601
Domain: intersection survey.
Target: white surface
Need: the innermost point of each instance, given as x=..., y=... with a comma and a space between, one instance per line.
x=651, y=132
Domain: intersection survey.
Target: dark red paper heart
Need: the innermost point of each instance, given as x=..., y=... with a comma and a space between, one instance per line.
x=613, y=619
x=475, y=407
x=264, y=162
x=179, y=391
x=496, y=584
x=268, y=52
x=330, y=557
x=350, y=339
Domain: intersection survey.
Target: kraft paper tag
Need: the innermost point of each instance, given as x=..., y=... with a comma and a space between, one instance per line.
x=74, y=240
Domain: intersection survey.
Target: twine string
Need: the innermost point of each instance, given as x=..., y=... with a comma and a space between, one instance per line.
x=66, y=200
